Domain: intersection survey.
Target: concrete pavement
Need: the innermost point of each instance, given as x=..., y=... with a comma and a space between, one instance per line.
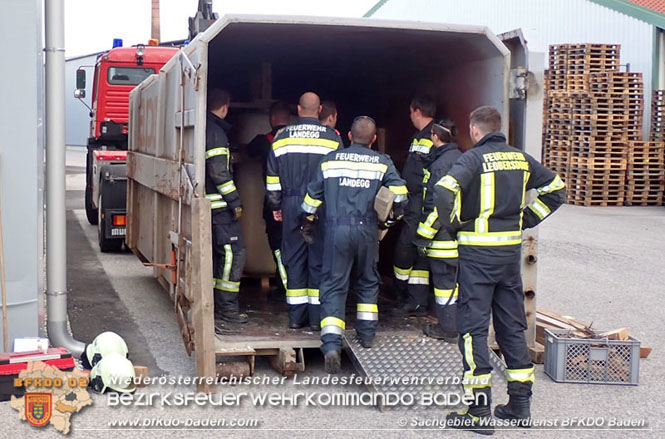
x=601, y=265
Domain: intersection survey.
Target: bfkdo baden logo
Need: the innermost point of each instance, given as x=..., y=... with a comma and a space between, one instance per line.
x=52, y=396
x=38, y=408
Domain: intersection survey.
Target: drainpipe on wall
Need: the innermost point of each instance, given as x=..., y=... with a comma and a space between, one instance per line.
x=56, y=232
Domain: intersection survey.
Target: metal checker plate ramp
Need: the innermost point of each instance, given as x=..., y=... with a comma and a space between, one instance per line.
x=430, y=366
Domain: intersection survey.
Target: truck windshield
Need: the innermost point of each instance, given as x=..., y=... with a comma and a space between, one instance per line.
x=128, y=75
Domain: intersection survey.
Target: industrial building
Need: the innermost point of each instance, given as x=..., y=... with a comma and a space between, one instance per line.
x=637, y=25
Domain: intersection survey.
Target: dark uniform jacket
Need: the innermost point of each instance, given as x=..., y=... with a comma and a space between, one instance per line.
x=295, y=156
x=220, y=189
x=260, y=147
x=484, y=197
x=442, y=245
x=413, y=173
x=349, y=180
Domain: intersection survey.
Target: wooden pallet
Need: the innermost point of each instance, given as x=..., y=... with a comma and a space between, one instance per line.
x=598, y=153
x=598, y=164
x=577, y=82
x=652, y=196
x=587, y=201
x=656, y=201
x=647, y=149
x=591, y=111
x=644, y=192
x=657, y=116
x=557, y=58
x=618, y=140
x=643, y=183
x=616, y=78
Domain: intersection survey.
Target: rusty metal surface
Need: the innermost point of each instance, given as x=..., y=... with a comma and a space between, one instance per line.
x=428, y=362
x=288, y=362
x=529, y=280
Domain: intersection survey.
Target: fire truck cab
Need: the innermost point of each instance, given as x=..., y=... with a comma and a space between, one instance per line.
x=116, y=73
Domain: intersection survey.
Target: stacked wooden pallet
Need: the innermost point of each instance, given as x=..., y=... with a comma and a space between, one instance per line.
x=645, y=177
x=658, y=116
x=557, y=132
x=557, y=113
x=592, y=111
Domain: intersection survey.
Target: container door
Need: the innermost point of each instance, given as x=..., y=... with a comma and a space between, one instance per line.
x=525, y=93
x=169, y=218
x=525, y=133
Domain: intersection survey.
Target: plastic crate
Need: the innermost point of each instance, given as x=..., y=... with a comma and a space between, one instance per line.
x=593, y=360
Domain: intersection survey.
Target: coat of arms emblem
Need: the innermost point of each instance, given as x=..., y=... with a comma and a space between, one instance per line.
x=38, y=408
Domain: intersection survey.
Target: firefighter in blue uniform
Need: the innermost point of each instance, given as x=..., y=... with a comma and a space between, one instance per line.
x=347, y=183
x=228, y=250
x=295, y=156
x=484, y=199
x=260, y=147
x=435, y=242
x=410, y=270
x=328, y=114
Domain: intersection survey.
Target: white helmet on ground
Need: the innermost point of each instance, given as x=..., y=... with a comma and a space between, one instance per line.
x=104, y=344
x=113, y=372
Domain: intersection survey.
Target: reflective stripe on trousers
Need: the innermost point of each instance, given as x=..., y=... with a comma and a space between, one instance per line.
x=297, y=297
x=472, y=381
x=332, y=325
x=280, y=266
x=367, y=311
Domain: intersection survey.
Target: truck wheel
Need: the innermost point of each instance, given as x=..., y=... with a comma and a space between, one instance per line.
x=105, y=245
x=90, y=210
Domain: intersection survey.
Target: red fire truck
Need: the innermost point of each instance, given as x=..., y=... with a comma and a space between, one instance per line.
x=117, y=72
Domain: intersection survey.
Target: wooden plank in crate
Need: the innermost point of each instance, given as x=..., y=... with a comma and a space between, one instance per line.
x=617, y=334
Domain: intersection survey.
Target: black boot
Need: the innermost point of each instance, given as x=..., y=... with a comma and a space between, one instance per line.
x=435, y=331
x=231, y=317
x=409, y=310
x=333, y=362
x=478, y=417
x=296, y=325
x=519, y=404
x=366, y=342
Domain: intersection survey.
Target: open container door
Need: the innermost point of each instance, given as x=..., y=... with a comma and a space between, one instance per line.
x=525, y=92
x=168, y=215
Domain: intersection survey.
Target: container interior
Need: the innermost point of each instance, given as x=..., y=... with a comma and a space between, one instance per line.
x=374, y=71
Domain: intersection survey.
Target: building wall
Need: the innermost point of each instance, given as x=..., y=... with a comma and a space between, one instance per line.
x=544, y=22
x=22, y=164
x=78, y=115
